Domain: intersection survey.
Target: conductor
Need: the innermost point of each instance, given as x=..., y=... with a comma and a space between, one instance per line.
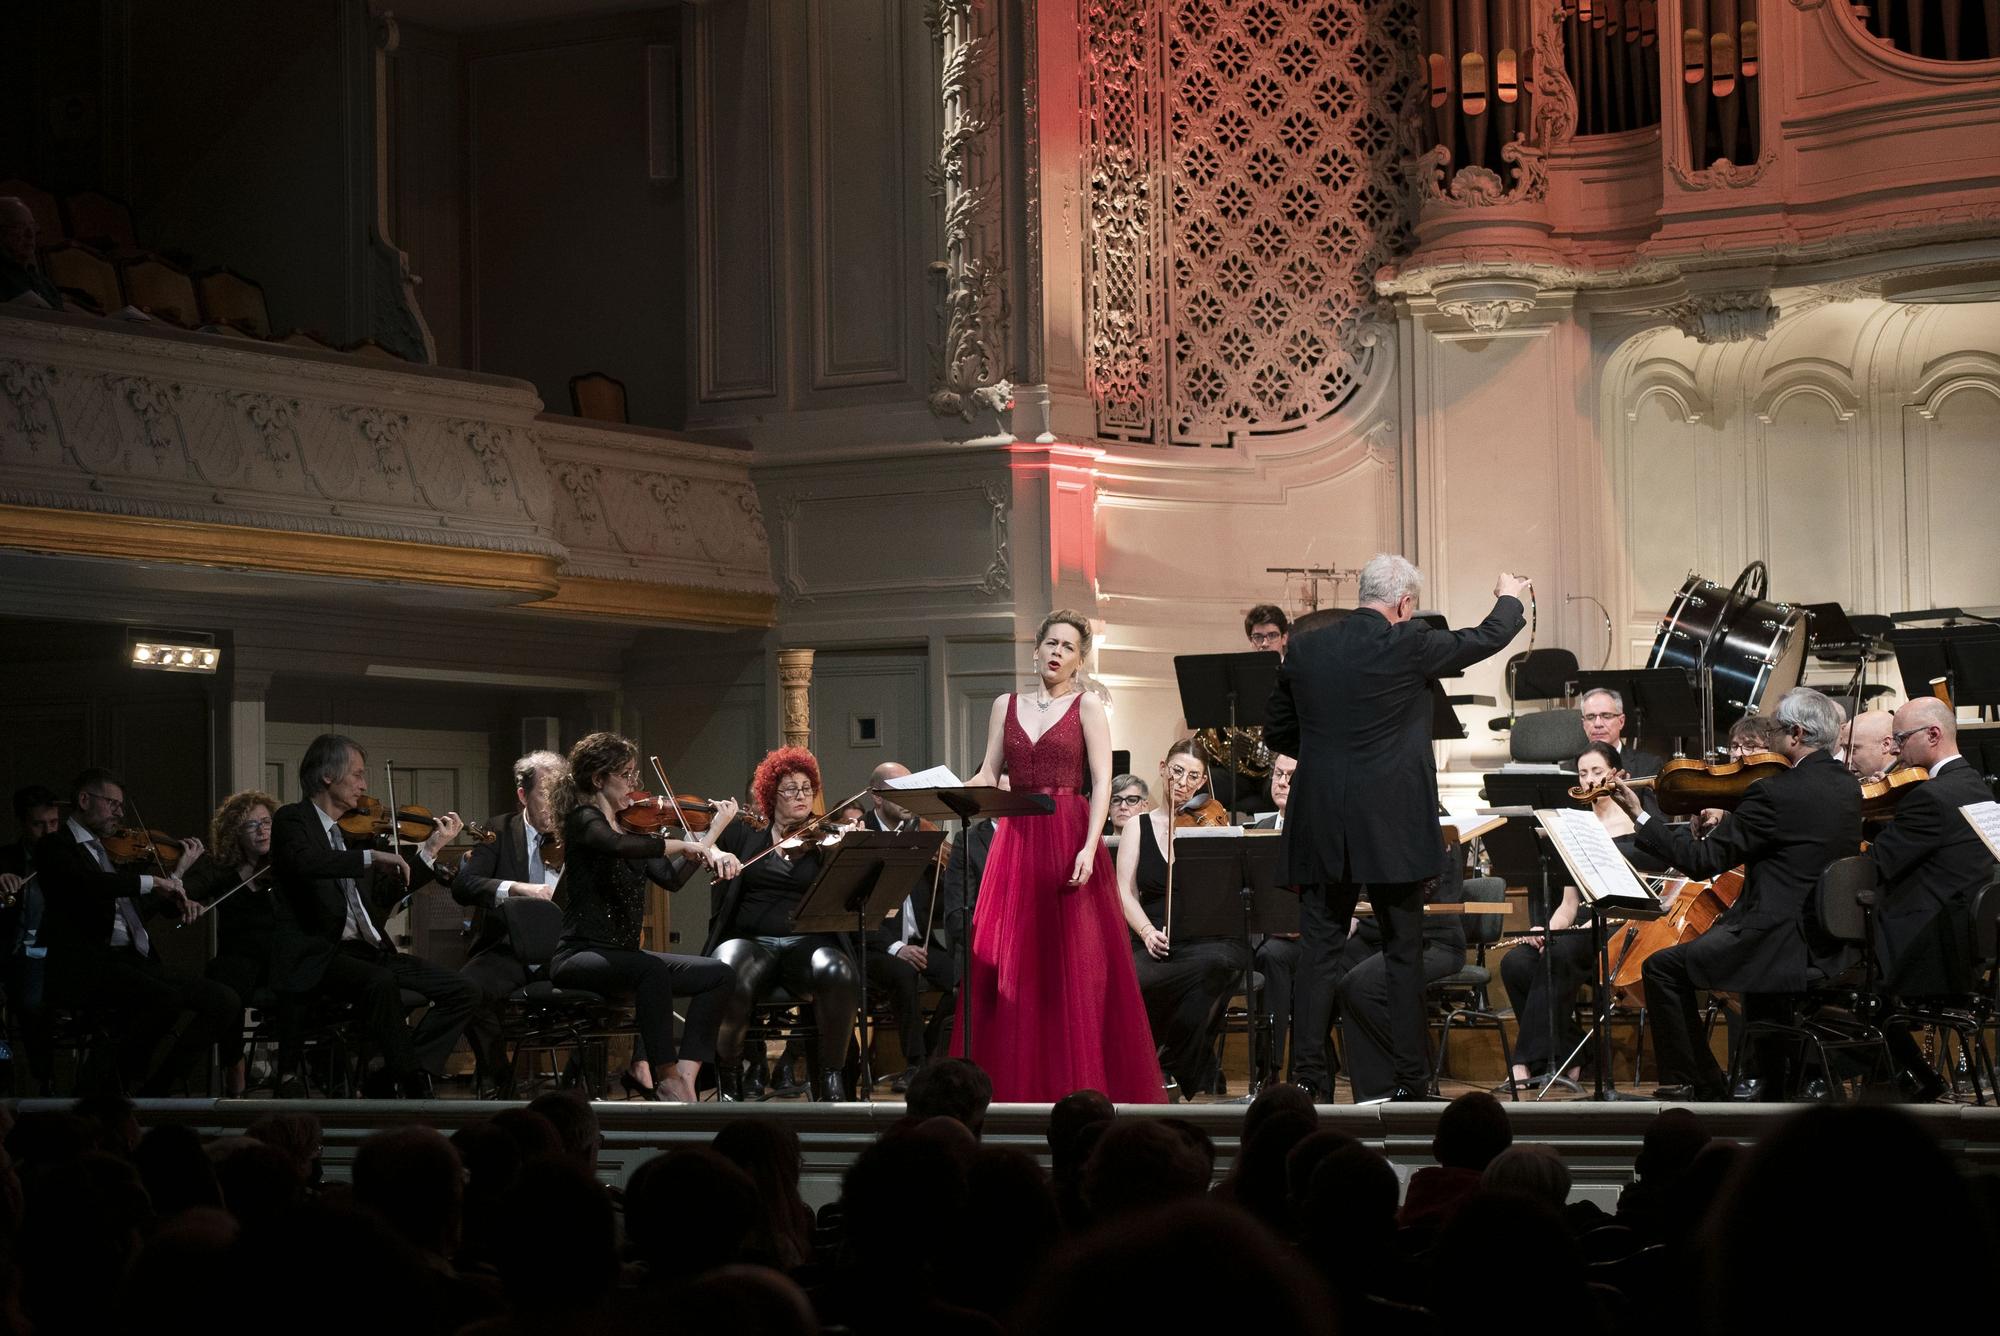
x=1353, y=705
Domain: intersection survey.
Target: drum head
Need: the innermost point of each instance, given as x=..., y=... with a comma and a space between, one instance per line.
x=1784, y=665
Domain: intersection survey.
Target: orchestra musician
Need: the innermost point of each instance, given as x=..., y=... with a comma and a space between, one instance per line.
x=1267, y=627
x=750, y=929
x=1182, y=982
x=1129, y=796
x=36, y=814
x=1932, y=864
x=1603, y=713
x=239, y=851
x=1278, y=954
x=1866, y=745
x=1785, y=832
x=1563, y=959
x=509, y=865
x=904, y=954
x=329, y=903
x=1199, y=808
x=101, y=953
x=603, y=894
x=1353, y=705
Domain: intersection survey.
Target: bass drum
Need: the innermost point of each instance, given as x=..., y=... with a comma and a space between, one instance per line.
x=1759, y=646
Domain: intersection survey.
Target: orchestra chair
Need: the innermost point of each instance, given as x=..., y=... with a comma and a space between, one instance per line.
x=1836, y=1014
x=1966, y=1017
x=937, y=1008
x=48, y=214
x=597, y=396
x=161, y=289
x=75, y=267
x=545, y=1017
x=1547, y=737
x=1460, y=1000
x=782, y=1017
x=1250, y=1016
x=228, y=298
x=85, y=1034
x=101, y=220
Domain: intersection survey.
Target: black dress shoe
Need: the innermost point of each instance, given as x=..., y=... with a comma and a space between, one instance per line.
x=728, y=1082
x=293, y=1086
x=785, y=1081
x=1405, y=1095
x=1318, y=1095
x=901, y=1085
x=831, y=1090
x=1691, y=1094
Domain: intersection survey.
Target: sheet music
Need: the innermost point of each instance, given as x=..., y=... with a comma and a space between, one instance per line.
x=1985, y=818
x=1601, y=872
x=937, y=777
x=1205, y=832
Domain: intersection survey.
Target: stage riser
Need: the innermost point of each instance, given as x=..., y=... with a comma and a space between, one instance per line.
x=1597, y=1141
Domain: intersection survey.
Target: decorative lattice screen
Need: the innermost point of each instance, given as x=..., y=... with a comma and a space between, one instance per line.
x=1243, y=161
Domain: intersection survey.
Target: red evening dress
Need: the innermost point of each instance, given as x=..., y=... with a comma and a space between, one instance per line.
x=1054, y=995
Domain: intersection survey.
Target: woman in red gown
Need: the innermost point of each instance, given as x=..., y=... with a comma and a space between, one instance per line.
x=1054, y=996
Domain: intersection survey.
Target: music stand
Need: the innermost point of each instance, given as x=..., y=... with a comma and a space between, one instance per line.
x=1271, y=908
x=1520, y=856
x=966, y=804
x=861, y=879
x=1665, y=699
x=1967, y=657
x=1606, y=880
x=1228, y=691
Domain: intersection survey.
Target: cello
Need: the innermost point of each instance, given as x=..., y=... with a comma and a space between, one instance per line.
x=1692, y=909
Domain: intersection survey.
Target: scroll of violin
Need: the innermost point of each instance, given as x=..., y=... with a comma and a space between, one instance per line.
x=1686, y=786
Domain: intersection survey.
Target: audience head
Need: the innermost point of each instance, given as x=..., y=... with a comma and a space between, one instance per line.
x=743, y=1301
x=296, y=1136
x=532, y=1133
x=557, y=1247
x=18, y=232
x=892, y=1198
x=575, y=1123
x=1189, y=1266
x=768, y=1152
x=1468, y=1269
x=1141, y=1163
x=1274, y=1100
x=174, y=1166
x=412, y=1177
x=112, y=1122
x=1472, y=1130
x=675, y=1242
x=951, y=1088
x=259, y=1182
x=1304, y=1159
x=1533, y=1171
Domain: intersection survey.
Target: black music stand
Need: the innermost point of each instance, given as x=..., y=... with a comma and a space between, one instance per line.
x=1665, y=700
x=1269, y=907
x=966, y=804
x=1521, y=856
x=862, y=876
x=1227, y=691
x=1965, y=655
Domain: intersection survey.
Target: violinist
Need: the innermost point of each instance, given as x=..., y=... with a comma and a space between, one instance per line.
x=1181, y=982
x=101, y=953
x=1564, y=961
x=751, y=928
x=35, y=814
x=1785, y=831
x=1201, y=807
x=905, y=954
x=232, y=880
x=603, y=894
x=1932, y=864
x=329, y=901
x=511, y=865
x=1866, y=746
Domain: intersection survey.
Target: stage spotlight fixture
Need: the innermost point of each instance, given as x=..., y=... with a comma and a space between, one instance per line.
x=173, y=651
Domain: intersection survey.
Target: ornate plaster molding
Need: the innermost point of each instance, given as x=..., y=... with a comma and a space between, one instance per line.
x=1722, y=174
x=1725, y=317
x=968, y=377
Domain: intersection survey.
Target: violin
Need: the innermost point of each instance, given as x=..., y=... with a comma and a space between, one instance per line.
x=1210, y=813
x=1880, y=796
x=133, y=845
x=645, y=814
x=369, y=819
x=552, y=849
x=696, y=814
x=1686, y=786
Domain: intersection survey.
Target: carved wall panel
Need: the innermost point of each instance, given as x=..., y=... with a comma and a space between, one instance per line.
x=1242, y=165
x=736, y=352
x=922, y=537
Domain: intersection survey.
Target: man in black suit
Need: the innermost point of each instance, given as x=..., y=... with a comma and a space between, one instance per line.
x=1603, y=712
x=1785, y=832
x=1932, y=864
x=905, y=954
x=1353, y=705
x=101, y=954
x=36, y=814
x=509, y=867
x=329, y=904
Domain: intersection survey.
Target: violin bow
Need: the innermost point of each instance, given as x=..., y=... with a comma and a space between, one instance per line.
x=668, y=790
x=806, y=825
x=1169, y=929
x=226, y=894
x=395, y=826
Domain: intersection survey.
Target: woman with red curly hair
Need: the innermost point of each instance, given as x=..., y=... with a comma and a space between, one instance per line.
x=751, y=928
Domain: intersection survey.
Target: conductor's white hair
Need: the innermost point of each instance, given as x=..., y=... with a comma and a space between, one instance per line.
x=1387, y=577
x=1815, y=716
